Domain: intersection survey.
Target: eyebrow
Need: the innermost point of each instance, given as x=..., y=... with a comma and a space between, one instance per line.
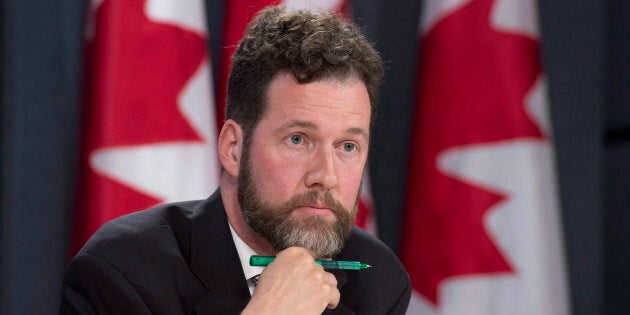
x=358, y=131
x=310, y=125
x=297, y=123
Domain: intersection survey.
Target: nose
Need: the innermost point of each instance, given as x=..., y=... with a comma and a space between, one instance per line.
x=321, y=171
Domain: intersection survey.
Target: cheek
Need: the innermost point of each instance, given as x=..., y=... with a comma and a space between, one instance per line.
x=278, y=177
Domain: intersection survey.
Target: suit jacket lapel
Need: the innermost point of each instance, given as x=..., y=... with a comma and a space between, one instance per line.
x=213, y=258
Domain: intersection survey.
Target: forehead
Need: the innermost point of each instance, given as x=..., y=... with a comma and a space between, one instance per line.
x=329, y=102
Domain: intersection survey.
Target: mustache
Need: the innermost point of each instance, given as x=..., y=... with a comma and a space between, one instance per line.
x=322, y=197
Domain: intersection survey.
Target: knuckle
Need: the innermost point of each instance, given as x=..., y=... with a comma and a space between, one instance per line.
x=336, y=296
x=295, y=251
x=318, y=276
x=318, y=267
x=336, y=292
x=291, y=251
x=331, y=279
x=315, y=275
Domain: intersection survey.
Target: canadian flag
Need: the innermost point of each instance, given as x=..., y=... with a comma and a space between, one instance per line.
x=238, y=14
x=149, y=133
x=482, y=231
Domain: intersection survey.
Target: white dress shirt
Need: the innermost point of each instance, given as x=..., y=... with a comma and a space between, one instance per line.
x=244, y=252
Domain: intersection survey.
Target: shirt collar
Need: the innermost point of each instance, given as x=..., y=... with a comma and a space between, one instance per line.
x=244, y=252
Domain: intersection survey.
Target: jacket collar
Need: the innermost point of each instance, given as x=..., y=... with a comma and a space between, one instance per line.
x=213, y=258
x=215, y=261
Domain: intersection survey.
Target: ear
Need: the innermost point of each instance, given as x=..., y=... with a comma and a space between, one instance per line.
x=230, y=147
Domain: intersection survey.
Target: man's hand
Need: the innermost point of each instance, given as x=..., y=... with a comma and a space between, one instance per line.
x=294, y=284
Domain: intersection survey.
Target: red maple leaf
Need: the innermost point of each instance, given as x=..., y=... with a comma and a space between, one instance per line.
x=472, y=87
x=135, y=71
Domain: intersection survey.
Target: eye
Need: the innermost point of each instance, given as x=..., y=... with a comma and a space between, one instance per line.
x=349, y=147
x=296, y=139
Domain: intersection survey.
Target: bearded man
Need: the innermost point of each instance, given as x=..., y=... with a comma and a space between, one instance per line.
x=300, y=109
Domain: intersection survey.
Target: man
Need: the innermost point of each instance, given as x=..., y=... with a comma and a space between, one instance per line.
x=301, y=104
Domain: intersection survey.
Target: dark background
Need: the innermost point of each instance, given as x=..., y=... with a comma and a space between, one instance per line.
x=586, y=53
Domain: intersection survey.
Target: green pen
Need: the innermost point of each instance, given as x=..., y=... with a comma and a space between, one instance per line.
x=263, y=261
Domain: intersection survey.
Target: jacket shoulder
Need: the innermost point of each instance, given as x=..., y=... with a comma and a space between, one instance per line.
x=125, y=262
x=385, y=287
x=172, y=218
x=363, y=246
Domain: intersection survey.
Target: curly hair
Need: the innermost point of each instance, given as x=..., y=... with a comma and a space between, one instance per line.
x=310, y=46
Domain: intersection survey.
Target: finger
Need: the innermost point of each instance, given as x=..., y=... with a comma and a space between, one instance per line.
x=330, y=285
x=330, y=279
x=334, y=298
x=292, y=252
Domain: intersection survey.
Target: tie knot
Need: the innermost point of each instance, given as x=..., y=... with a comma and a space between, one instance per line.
x=255, y=279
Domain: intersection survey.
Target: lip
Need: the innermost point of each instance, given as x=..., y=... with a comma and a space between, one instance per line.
x=315, y=210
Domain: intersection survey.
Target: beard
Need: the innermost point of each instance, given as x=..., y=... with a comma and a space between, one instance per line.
x=275, y=224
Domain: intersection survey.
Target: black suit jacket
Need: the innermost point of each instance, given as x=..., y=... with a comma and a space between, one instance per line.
x=180, y=259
